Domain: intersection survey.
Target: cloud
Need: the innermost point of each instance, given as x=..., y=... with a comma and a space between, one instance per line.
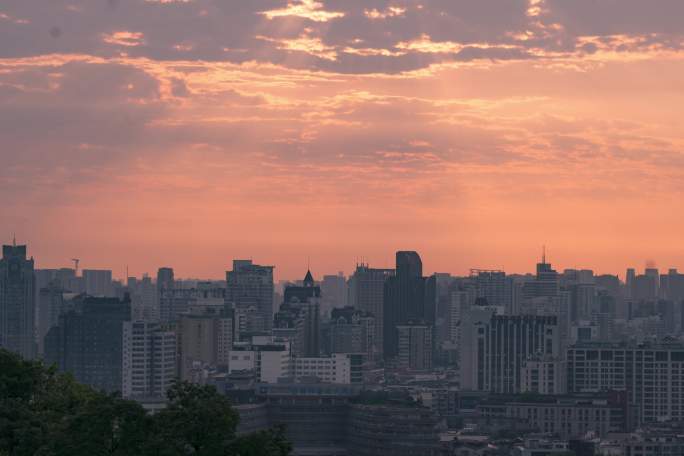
x=375, y=115
x=308, y=9
x=124, y=38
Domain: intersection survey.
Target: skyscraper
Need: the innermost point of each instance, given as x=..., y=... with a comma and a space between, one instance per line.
x=405, y=300
x=149, y=360
x=366, y=293
x=165, y=278
x=17, y=301
x=250, y=290
x=88, y=341
x=495, y=348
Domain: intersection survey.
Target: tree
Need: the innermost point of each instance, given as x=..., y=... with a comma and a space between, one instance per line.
x=45, y=413
x=197, y=421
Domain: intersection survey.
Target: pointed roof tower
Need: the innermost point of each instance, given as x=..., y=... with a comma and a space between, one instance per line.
x=308, y=279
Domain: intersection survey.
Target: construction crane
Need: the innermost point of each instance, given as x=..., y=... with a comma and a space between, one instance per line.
x=76, y=261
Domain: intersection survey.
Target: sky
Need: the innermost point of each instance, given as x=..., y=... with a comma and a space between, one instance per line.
x=186, y=133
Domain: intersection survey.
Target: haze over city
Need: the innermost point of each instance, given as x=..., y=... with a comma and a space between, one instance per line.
x=187, y=133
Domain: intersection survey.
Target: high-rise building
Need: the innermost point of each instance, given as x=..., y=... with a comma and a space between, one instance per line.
x=250, y=291
x=644, y=287
x=205, y=338
x=629, y=281
x=352, y=331
x=51, y=305
x=98, y=282
x=407, y=300
x=165, y=279
x=17, y=301
x=366, y=293
x=299, y=317
x=546, y=282
x=144, y=301
x=415, y=347
x=333, y=293
x=492, y=286
x=651, y=375
x=88, y=341
x=174, y=302
x=149, y=360
x=494, y=349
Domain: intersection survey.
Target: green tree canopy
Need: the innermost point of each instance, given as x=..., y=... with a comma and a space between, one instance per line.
x=45, y=413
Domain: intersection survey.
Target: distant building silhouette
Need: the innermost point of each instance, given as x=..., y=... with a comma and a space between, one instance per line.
x=88, y=341
x=409, y=298
x=250, y=291
x=17, y=301
x=366, y=293
x=98, y=282
x=299, y=317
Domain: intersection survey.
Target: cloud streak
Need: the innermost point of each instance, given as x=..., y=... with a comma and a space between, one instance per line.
x=468, y=130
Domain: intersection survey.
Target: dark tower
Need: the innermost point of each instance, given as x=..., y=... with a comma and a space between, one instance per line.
x=17, y=301
x=404, y=300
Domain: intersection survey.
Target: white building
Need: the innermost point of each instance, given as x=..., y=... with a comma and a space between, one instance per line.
x=149, y=360
x=335, y=369
x=269, y=357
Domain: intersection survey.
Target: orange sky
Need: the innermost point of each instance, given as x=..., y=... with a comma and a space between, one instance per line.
x=167, y=133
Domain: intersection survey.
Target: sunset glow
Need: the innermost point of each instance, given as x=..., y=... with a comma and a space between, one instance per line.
x=141, y=133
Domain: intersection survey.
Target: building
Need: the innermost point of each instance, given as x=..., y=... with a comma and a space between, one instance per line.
x=149, y=360
x=392, y=429
x=495, y=347
x=165, y=279
x=333, y=293
x=546, y=283
x=340, y=368
x=88, y=341
x=299, y=318
x=652, y=375
x=408, y=299
x=205, y=338
x=543, y=375
x=366, y=293
x=144, y=300
x=17, y=301
x=176, y=301
x=565, y=416
x=268, y=358
x=330, y=419
x=250, y=291
x=315, y=415
x=98, y=282
x=644, y=443
x=352, y=331
x=51, y=304
x=415, y=347
x=492, y=286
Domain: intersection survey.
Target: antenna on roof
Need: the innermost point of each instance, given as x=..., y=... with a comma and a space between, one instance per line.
x=544, y=254
x=14, y=239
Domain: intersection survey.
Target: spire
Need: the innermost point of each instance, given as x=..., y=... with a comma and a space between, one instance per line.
x=308, y=279
x=14, y=239
x=544, y=254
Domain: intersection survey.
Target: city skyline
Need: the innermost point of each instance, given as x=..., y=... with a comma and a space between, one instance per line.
x=308, y=263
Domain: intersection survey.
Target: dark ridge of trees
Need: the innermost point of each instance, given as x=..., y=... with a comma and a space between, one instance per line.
x=46, y=413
